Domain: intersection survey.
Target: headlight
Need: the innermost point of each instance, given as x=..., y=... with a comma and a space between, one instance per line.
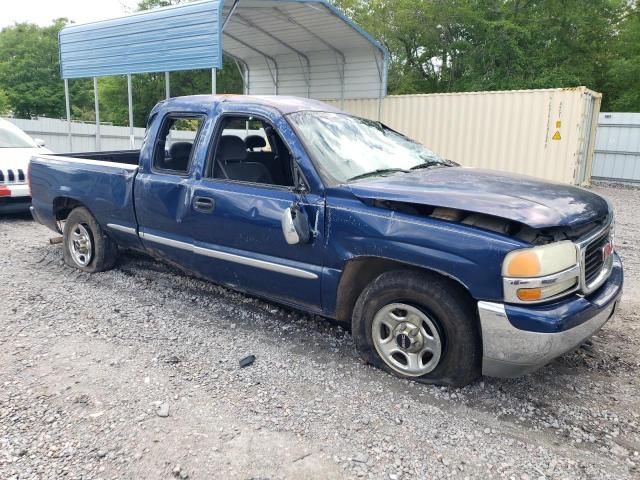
x=540, y=273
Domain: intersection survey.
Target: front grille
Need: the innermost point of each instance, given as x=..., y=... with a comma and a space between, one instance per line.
x=594, y=258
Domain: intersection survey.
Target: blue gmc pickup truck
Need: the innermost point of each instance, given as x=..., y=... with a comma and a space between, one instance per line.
x=443, y=273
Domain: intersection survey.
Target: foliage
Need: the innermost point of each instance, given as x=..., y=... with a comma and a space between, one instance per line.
x=29, y=69
x=5, y=105
x=466, y=45
x=624, y=72
x=435, y=46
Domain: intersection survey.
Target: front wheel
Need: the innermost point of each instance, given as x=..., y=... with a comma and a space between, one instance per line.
x=86, y=247
x=419, y=326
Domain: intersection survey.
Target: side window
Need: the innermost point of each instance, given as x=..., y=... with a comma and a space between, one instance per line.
x=251, y=150
x=175, y=143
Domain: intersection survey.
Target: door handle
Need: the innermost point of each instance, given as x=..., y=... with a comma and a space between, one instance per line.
x=203, y=204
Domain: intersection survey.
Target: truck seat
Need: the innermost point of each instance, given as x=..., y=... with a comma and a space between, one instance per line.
x=232, y=157
x=179, y=155
x=254, y=142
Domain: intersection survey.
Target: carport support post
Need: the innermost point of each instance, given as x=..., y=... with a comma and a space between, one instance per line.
x=213, y=81
x=130, y=94
x=167, y=86
x=95, y=94
x=68, y=107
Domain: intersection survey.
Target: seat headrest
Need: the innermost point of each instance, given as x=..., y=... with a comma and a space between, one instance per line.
x=255, y=141
x=180, y=150
x=231, y=148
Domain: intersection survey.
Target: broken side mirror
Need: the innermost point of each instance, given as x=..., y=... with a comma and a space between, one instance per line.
x=295, y=226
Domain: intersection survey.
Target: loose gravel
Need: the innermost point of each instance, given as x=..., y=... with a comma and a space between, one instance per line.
x=135, y=373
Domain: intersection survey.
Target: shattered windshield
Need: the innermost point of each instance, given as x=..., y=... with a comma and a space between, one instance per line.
x=347, y=149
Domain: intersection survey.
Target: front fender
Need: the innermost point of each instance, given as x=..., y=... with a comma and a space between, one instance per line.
x=471, y=256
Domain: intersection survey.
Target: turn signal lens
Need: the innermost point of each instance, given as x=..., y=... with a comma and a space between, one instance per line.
x=530, y=294
x=550, y=291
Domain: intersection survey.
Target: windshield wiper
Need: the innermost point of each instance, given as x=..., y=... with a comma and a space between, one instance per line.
x=430, y=164
x=380, y=171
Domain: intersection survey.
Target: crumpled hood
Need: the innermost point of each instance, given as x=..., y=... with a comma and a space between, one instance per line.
x=535, y=203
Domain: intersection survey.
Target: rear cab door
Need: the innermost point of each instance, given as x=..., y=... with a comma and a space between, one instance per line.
x=239, y=197
x=176, y=139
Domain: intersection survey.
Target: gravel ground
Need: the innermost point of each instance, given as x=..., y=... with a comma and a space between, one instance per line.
x=134, y=373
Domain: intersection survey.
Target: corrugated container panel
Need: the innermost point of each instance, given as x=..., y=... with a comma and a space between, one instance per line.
x=543, y=133
x=617, y=154
x=184, y=37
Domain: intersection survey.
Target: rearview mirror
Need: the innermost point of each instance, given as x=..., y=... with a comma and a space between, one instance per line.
x=39, y=142
x=295, y=226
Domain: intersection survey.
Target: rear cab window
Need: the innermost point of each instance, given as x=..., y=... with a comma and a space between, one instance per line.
x=174, y=148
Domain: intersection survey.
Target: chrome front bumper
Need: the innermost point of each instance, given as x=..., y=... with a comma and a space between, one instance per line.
x=510, y=352
x=519, y=339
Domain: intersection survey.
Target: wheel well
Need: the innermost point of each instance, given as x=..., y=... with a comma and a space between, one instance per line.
x=360, y=272
x=62, y=207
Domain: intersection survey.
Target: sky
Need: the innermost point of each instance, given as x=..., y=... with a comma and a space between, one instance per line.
x=43, y=12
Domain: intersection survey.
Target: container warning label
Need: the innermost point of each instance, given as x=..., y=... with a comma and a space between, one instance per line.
x=557, y=136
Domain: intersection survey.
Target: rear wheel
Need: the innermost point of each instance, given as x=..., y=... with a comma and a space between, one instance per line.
x=419, y=326
x=86, y=247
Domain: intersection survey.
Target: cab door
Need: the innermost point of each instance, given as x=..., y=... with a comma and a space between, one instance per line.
x=247, y=190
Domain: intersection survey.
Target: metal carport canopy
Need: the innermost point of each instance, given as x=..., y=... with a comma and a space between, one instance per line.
x=305, y=48
x=294, y=47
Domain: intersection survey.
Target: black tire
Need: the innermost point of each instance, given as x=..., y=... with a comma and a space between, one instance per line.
x=103, y=250
x=446, y=304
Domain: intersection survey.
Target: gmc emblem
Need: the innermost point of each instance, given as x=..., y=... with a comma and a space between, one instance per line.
x=607, y=250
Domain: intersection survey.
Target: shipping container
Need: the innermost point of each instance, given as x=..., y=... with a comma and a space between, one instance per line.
x=548, y=133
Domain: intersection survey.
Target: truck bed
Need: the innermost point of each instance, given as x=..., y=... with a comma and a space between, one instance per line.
x=101, y=180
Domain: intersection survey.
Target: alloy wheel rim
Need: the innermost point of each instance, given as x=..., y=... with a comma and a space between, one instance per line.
x=81, y=245
x=406, y=339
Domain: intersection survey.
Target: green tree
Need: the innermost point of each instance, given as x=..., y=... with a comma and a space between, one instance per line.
x=623, y=86
x=30, y=70
x=463, y=45
x=5, y=105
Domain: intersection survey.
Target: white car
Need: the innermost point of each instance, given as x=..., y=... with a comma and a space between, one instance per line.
x=16, y=150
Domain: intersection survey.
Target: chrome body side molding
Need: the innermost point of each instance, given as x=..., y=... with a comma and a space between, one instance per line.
x=231, y=257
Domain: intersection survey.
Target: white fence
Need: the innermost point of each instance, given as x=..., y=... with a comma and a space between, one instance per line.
x=617, y=155
x=83, y=135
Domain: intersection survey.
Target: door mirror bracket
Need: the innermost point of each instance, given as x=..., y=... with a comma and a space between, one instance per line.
x=300, y=184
